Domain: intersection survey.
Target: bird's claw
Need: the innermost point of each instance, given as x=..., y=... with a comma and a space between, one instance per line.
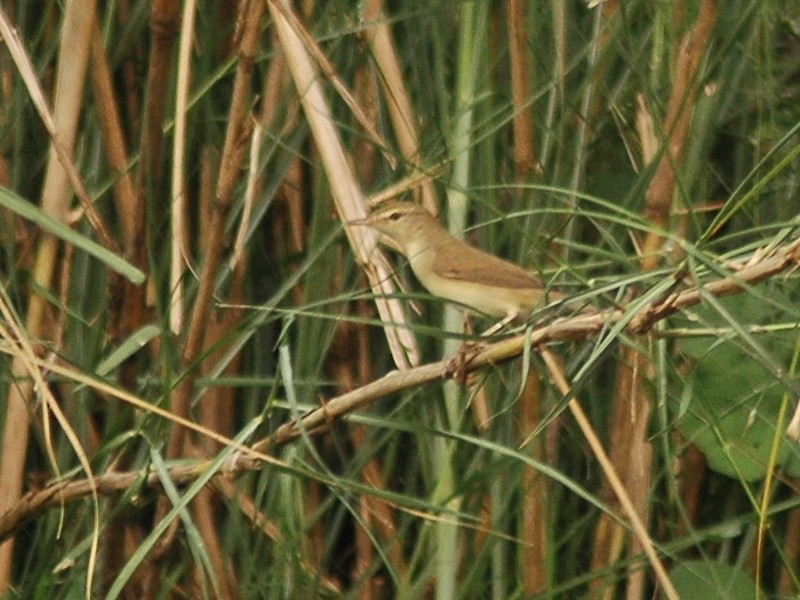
x=456, y=366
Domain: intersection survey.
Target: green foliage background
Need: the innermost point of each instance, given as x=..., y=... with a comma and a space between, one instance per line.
x=416, y=496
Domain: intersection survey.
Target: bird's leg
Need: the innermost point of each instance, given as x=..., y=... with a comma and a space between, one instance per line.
x=469, y=349
x=456, y=366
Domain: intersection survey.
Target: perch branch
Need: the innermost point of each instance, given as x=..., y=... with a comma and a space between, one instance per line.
x=581, y=326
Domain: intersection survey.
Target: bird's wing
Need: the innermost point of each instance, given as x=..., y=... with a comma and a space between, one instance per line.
x=460, y=261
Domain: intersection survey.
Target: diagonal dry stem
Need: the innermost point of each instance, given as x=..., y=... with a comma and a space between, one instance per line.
x=639, y=528
x=345, y=190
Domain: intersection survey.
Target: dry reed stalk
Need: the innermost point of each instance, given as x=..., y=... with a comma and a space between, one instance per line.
x=164, y=21
x=216, y=410
x=398, y=100
x=133, y=310
x=234, y=152
x=525, y=161
x=630, y=449
x=636, y=522
x=113, y=137
x=682, y=101
x=56, y=195
x=205, y=507
x=165, y=18
x=126, y=299
x=378, y=513
x=378, y=516
x=345, y=190
x=535, y=511
x=787, y=583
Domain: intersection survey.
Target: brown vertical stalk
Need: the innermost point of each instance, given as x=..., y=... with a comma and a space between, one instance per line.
x=164, y=25
x=352, y=368
x=288, y=221
x=116, y=152
x=164, y=22
x=204, y=508
x=690, y=470
x=791, y=552
x=658, y=199
x=73, y=59
x=376, y=514
x=535, y=549
x=216, y=408
x=630, y=450
x=525, y=161
x=233, y=155
x=128, y=307
x=398, y=100
x=382, y=513
x=534, y=485
x=130, y=90
x=124, y=319
x=376, y=522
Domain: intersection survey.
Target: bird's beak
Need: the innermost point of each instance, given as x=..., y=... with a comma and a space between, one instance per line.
x=365, y=221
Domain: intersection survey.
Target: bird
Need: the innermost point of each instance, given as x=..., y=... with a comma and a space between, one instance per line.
x=453, y=270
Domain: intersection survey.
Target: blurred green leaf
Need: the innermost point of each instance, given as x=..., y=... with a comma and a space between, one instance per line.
x=712, y=581
x=735, y=401
x=33, y=213
x=135, y=342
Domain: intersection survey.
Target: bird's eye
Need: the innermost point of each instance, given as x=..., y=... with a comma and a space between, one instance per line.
x=394, y=216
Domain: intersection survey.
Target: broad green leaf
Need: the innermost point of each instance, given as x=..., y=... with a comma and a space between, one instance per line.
x=735, y=398
x=712, y=581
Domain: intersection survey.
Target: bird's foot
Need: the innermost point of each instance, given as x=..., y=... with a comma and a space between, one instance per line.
x=456, y=367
